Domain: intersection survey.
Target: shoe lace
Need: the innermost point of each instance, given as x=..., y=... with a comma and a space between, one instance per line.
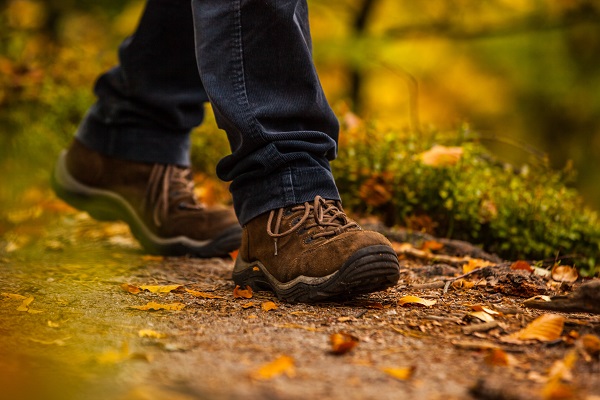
x=169, y=185
x=325, y=213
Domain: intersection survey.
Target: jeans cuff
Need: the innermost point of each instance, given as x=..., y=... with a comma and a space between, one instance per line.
x=288, y=187
x=136, y=144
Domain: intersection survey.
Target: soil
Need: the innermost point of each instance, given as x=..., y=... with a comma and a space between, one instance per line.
x=80, y=338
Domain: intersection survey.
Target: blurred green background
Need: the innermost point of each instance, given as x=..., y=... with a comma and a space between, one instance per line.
x=520, y=75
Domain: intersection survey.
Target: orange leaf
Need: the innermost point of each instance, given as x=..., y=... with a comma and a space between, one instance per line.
x=441, y=156
x=242, y=293
x=524, y=265
x=149, y=257
x=432, y=245
x=415, y=300
x=546, y=328
x=160, y=288
x=498, y=358
x=591, y=344
x=282, y=365
x=268, y=306
x=248, y=305
x=402, y=374
x=474, y=264
x=130, y=288
x=341, y=343
x=234, y=254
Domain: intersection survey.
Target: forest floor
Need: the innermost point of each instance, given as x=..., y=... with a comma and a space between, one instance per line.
x=69, y=328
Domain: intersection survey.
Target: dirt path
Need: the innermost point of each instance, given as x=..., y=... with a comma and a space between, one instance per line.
x=79, y=338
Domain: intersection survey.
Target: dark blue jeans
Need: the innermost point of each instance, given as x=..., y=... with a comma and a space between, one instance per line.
x=251, y=59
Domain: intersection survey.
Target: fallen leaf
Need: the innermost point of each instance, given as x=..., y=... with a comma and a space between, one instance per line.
x=431, y=245
x=499, y=358
x=248, y=305
x=475, y=263
x=485, y=309
x=402, y=374
x=160, y=289
x=157, y=306
x=242, y=293
x=279, y=366
x=268, y=306
x=114, y=356
x=415, y=300
x=149, y=333
x=542, y=272
x=564, y=273
x=345, y=319
x=540, y=297
x=203, y=295
x=546, y=328
x=53, y=324
x=521, y=265
x=441, y=156
x=234, y=254
x=14, y=296
x=462, y=284
x=130, y=288
x=481, y=315
x=25, y=304
x=341, y=343
x=591, y=344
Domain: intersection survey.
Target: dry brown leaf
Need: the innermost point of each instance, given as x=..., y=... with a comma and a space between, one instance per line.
x=130, y=288
x=546, y=328
x=561, y=372
x=441, y=156
x=462, y=284
x=268, y=306
x=203, y=295
x=242, y=293
x=485, y=309
x=157, y=306
x=282, y=365
x=564, y=273
x=149, y=333
x=342, y=343
x=402, y=374
x=415, y=300
x=524, y=265
x=160, y=288
x=481, y=315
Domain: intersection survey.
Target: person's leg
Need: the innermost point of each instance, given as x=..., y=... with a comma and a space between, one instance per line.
x=255, y=62
x=129, y=158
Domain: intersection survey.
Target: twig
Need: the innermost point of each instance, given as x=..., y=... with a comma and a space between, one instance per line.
x=484, y=327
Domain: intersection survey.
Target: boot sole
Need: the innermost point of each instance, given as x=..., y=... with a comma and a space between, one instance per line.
x=105, y=205
x=368, y=270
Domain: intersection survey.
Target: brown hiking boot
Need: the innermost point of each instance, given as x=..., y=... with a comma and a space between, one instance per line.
x=157, y=201
x=313, y=251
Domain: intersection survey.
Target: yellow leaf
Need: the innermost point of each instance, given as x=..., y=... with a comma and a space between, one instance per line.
x=25, y=304
x=114, y=356
x=148, y=333
x=248, y=305
x=53, y=324
x=341, y=343
x=282, y=365
x=415, y=300
x=441, y=156
x=160, y=289
x=564, y=273
x=485, y=309
x=402, y=374
x=14, y=296
x=268, y=306
x=546, y=328
x=591, y=344
x=57, y=342
x=157, y=306
x=242, y=293
x=203, y=295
